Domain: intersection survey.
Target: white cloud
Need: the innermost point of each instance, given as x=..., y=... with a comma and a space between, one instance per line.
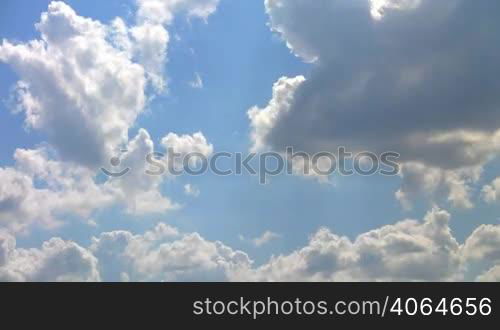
x=151, y=37
x=39, y=190
x=263, y=120
x=163, y=11
x=83, y=84
x=491, y=192
x=262, y=240
x=164, y=254
x=187, y=150
x=409, y=250
x=139, y=192
x=483, y=244
x=191, y=190
x=76, y=86
x=56, y=260
x=186, y=144
x=150, y=48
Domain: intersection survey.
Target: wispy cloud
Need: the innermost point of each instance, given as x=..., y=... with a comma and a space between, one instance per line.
x=262, y=240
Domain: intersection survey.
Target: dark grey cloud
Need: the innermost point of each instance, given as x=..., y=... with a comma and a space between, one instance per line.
x=421, y=80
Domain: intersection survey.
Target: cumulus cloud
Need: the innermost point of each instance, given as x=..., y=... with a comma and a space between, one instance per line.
x=56, y=260
x=409, y=250
x=164, y=254
x=419, y=180
x=139, y=192
x=415, y=77
x=39, y=190
x=163, y=11
x=186, y=150
x=151, y=36
x=76, y=86
x=83, y=84
x=263, y=120
x=483, y=244
x=186, y=144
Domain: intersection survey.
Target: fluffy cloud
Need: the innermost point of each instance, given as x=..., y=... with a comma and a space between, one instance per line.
x=42, y=190
x=186, y=144
x=151, y=37
x=392, y=75
x=265, y=119
x=139, y=192
x=39, y=190
x=429, y=182
x=186, y=150
x=483, y=244
x=163, y=11
x=83, y=84
x=409, y=250
x=164, y=254
x=76, y=86
x=56, y=260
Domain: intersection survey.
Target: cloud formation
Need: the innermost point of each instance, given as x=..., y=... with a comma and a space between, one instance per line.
x=56, y=260
x=84, y=84
x=416, y=77
x=409, y=250
x=164, y=254
x=41, y=190
x=151, y=36
x=76, y=86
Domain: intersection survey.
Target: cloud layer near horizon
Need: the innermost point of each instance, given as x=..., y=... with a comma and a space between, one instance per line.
x=409, y=250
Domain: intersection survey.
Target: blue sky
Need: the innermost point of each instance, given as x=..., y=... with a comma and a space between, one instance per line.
x=239, y=59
